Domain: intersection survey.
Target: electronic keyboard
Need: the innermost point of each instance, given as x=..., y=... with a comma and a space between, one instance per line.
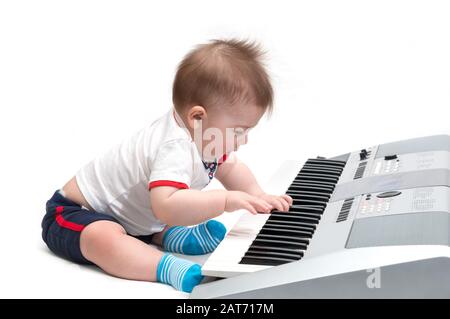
x=384, y=207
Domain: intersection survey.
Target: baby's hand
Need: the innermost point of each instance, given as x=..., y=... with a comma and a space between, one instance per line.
x=281, y=203
x=240, y=200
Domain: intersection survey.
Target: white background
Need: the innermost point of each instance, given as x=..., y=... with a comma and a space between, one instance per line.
x=76, y=77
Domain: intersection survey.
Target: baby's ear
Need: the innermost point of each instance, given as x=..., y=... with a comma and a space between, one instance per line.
x=195, y=111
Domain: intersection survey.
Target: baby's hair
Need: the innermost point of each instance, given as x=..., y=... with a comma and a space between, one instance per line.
x=223, y=72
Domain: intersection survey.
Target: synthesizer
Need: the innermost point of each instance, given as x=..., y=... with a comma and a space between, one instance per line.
x=384, y=207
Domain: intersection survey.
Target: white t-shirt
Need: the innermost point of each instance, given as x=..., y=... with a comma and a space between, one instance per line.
x=118, y=182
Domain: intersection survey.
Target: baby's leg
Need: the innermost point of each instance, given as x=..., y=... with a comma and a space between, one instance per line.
x=197, y=240
x=107, y=245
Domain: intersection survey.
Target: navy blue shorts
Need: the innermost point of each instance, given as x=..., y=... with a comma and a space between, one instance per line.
x=63, y=223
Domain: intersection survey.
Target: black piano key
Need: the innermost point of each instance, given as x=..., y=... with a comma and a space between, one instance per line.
x=304, y=215
x=301, y=201
x=291, y=223
x=315, y=183
x=296, y=214
x=322, y=166
x=276, y=249
x=320, y=172
x=317, y=171
x=268, y=254
x=261, y=260
x=333, y=174
x=288, y=232
x=270, y=225
x=322, y=198
x=323, y=191
x=279, y=242
x=295, y=192
x=297, y=217
x=292, y=239
x=308, y=202
x=312, y=186
x=319, y=197
x=315, y=189
x=327, y=162
x=307, y=208
x=306, y=220
x=308, y=177
x=316, y=177
x=299, y=182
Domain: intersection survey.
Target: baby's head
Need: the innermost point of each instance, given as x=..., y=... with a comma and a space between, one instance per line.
x=221, y=90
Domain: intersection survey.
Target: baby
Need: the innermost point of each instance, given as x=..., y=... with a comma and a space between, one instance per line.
x=147, y=189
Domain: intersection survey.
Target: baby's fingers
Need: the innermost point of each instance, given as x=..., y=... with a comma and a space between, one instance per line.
x=261, y=205
x=276, y=203
x=285, y=203
x=250, y=208
x=288, y=199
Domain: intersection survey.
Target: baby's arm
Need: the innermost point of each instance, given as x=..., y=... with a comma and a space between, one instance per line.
x=235, y=175
x=175, y=206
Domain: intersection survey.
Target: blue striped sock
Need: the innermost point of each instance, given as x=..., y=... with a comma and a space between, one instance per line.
x=181, y=274
x=197, y=240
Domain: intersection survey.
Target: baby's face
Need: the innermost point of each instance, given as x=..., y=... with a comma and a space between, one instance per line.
x=225, y=129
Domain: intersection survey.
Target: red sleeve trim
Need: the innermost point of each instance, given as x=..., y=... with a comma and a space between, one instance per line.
x=167, y=183
x=222, y=159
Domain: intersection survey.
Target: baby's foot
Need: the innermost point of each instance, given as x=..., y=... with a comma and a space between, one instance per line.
x=197, y=240
x=181, y=274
